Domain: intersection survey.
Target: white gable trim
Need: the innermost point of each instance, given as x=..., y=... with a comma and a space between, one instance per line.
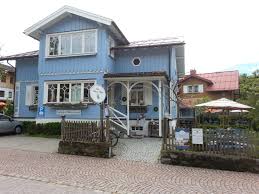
x=34, y=30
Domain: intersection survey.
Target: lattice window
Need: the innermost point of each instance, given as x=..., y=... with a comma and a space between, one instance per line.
x=52, y=92
x=87, y=87
x=76, y=92
x=64, y=93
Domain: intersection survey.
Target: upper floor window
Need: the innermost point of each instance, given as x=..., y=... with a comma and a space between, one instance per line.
x=193, y=89
x=137, y=95
x=111, y=43
x=72, y=43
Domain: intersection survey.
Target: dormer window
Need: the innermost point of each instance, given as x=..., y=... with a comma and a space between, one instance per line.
x=72, y=43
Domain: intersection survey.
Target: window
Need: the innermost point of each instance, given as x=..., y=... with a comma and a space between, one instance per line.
x=2, y=94
x=72, y=43
x=10, y=94
x=193, y=89
x=111, y=43
x=137, y=128
x=136, y=61
x=196, y=88
x=3, y=78
x=69, y=92
x=137, y=95
x=189, y=89
x=4, y=118
x=11, y=80
x=32, y=92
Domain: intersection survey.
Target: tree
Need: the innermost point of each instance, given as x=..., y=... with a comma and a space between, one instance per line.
x=9, y=109
x=249, y=94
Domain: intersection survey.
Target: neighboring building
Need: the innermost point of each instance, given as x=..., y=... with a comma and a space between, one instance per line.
x=7, y=83
x=78, y=49
x=195, y=88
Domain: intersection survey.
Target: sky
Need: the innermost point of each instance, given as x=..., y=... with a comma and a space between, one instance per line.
x=219, y=34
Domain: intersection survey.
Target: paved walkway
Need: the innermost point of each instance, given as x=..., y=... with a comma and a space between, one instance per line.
x=145, y=149
x=29, y=143
x=16, y=185
x=120, y=176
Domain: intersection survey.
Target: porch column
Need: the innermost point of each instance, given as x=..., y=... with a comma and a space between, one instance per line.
x=128, y=111
x=160, y=106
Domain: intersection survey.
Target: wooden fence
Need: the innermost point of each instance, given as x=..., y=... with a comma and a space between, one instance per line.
x=238, y=142
x=84, y=131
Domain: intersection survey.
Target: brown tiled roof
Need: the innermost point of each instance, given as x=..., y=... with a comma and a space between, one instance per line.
x=219, y=81
x=7, y=68
x=152, y=43
x=20, y=55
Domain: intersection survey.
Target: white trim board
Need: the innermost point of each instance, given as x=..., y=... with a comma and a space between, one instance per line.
x=35, y=30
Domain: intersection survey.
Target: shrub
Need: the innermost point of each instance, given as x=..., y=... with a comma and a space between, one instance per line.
x=42, y=129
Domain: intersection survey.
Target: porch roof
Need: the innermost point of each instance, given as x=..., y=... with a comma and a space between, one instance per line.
x=147, y=75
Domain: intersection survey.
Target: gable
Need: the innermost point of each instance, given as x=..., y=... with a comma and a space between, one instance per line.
x=35, y=30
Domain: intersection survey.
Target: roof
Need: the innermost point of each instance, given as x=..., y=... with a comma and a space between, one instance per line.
x=35, y=30
x=220, y=81
x=152, y=43
x=7, y=68
x=226, y=80
x=20, y=55
x=185, y=78
x=137, y=74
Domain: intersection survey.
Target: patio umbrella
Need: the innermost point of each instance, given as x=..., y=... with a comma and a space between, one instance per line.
x=224, y=103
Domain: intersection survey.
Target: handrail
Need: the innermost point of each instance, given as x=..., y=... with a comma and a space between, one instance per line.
x=117, y=111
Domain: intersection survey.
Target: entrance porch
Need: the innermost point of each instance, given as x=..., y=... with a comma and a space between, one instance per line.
x=138, y=102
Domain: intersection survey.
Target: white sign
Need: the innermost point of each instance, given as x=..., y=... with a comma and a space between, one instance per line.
x=97, y=93
x=197, y=136
x=68, y=112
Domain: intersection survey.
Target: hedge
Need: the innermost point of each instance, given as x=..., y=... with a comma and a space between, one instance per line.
x=42, y=129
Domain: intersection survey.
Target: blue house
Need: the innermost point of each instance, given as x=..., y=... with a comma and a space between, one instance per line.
x=78, y=49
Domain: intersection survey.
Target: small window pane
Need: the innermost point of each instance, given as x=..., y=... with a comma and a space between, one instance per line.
x=2, y=93
x=196, y=88
x=90, y=44
x=35, y=95
x=53, y=45
x=52, y=93
x=76, y=92
x=65, y=44
x=64, y=93
x=77, y=43
x=189, y=89
x=87, y=87
x=10, y=94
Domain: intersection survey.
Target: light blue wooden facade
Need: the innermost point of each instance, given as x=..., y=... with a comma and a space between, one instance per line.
x=41, y=69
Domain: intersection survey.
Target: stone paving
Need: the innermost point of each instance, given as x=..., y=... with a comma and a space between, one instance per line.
x=112, y=175
x=145, y=149
x=10, y=185
x=29, y=143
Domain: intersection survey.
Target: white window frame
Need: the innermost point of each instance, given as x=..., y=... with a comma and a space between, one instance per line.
x=193, y=89
x=132, y=61
x=71, y=33
x=111, y=43
x=82, y=82
x=137, y=98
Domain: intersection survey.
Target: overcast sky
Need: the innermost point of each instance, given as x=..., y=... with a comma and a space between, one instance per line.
x=218, y=34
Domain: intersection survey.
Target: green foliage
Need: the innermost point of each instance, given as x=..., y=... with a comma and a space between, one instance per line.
x=43, y=130
x=249, y=94
x=9, y=109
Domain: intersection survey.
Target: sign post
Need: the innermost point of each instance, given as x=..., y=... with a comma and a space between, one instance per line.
x=98, y=95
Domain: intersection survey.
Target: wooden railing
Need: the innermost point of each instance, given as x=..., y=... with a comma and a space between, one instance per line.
x=84, y=131
x=238, y=142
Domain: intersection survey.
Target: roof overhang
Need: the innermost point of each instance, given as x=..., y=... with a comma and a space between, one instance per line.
x=136, y=76
x=30, y=54
x=35, y=30
x=195, y=76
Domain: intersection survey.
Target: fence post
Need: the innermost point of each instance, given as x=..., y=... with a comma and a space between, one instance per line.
x=62, y=126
